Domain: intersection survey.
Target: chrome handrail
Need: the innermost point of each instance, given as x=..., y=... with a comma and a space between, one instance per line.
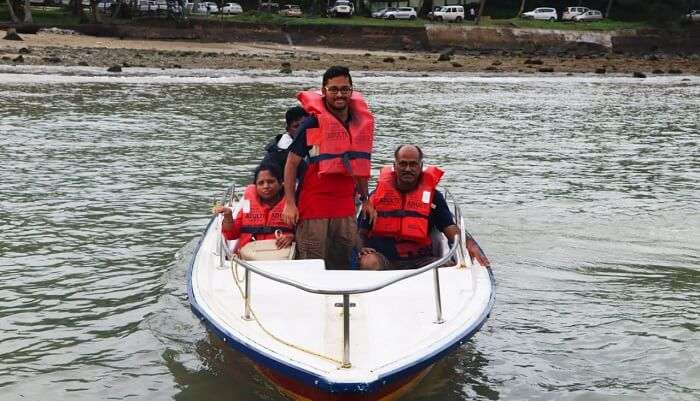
x=456, y=245
x=362, y=290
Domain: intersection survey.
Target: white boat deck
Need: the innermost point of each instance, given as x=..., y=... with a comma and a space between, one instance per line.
x=389, y=328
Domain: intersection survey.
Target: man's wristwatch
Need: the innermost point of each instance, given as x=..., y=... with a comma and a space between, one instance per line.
x=363, y=198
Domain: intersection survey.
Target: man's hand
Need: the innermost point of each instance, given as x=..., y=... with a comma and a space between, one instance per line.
x=367, y=251
x=369, y=212
x=284, y=241
x=477, y=254
x=290, y=215
x=369, y=262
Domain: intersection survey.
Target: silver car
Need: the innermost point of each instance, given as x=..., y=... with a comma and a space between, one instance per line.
x=590, y=15
x=291, y=10
x=231, y=8
x=380, y=13
x=570, y=12
x=401, y=13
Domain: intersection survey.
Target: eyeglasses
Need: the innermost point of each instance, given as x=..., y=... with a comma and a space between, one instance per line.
x=333, y=90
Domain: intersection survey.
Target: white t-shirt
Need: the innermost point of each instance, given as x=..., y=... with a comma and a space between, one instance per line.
x=285, y=141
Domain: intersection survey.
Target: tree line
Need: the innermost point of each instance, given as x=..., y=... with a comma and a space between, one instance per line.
x=653, y=11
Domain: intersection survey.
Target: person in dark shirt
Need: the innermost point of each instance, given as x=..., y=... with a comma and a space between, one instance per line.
x=408, y=192
x=278, y=147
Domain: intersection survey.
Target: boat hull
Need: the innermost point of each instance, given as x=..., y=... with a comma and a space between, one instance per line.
x=302, y=392
x=303, y=384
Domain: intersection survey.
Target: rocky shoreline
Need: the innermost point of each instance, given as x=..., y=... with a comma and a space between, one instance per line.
x=60, y=48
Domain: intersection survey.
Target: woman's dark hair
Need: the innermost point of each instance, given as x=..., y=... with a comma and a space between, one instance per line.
x=274, y=170
x=293, y=114
x=336, y=71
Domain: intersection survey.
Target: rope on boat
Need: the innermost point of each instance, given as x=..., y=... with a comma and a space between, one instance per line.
x=234, y=270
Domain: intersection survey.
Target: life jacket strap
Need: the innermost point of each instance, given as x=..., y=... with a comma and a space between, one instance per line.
x=401, y=213
x=349, y=155
x=264, y=230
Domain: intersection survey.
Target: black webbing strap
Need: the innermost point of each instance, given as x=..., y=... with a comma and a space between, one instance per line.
x=401, y=213
x=264, y=230
x=349, y=155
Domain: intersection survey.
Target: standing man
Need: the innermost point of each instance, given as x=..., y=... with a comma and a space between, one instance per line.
x=337, y=142
x=408, y=207
x=277, y=149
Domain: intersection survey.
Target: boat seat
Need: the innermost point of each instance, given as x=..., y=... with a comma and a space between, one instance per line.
x=266, y=250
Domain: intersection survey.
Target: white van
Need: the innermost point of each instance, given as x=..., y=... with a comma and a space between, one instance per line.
x=571, y=12
x=541, y=13
x=449, y=13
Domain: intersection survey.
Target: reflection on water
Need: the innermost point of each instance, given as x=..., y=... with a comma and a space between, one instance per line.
x=583, y=191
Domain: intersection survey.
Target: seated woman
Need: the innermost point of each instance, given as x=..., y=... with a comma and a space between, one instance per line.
x=260, y=217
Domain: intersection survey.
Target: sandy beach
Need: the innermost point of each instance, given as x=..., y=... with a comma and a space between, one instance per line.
x=46, y=48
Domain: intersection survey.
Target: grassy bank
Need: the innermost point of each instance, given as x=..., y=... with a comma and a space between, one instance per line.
x=602, y=25
x=274, y=19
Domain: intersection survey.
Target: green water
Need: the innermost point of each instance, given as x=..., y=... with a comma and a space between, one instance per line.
x=583, y=191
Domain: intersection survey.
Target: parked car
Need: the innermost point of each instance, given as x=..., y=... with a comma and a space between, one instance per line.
x=570, y=12
x=213, y=8
x=200, y=8
x=341, y=8
x=380, y=13
x=291, y=10
x=693, y=16
x=105, y=6
x=449, y=13
x=590, y=15
x=231, y=8
x=147, y=5
x=401, y=13
x=541, y=13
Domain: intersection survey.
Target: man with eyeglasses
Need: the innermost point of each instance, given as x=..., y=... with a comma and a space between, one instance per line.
x=336, y=141
x=408, y=207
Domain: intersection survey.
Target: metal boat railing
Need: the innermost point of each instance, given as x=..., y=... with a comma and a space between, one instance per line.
x=457, y=248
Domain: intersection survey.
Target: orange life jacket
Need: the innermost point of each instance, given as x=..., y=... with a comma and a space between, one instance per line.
x=340, y=150
x=259, y=222
x=404, y=216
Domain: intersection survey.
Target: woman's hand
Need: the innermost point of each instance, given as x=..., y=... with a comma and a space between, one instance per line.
x=285, y=241
x=222, y=209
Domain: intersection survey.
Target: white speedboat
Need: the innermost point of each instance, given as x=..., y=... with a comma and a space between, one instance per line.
x=323, y=334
